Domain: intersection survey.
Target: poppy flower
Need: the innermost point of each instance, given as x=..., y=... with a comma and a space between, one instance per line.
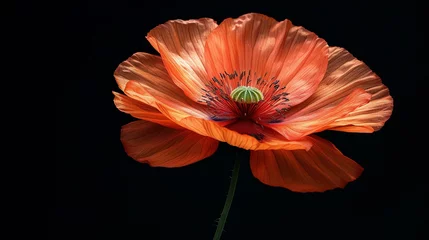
x=257, y=84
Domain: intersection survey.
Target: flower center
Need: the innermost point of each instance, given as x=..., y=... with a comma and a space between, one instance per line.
x=245, y=94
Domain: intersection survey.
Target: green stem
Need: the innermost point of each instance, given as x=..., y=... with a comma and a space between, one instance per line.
x=228, y=201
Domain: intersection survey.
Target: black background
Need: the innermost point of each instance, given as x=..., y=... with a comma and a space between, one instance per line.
x=101, y=193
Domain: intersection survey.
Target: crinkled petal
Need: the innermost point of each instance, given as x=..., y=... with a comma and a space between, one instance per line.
x=181, y=45
x=142, y=111
x=144, y=78
x=298, y=125
x=321, y=168
x=344, y=76
x=269, y=49
x=346, y=72
x=159, y=146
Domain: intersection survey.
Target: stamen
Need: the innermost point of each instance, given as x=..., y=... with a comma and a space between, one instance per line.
x=245, y=94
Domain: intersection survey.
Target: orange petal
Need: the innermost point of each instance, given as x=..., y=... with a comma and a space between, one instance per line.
x=344, y=73
x=360, y=129
x=300, y=122
x=181, y=45
x=142, y=111
x=321, y=168
x=159, y=146
x=144, y=78
x=255, y=42
x=220, y=133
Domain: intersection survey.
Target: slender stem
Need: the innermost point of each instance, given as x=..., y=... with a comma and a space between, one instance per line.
x=228, y=201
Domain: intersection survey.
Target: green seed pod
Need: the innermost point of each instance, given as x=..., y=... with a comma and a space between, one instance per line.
x=244, y=94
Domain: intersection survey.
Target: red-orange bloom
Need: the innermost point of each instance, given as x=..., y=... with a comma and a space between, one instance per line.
x=289, y=84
